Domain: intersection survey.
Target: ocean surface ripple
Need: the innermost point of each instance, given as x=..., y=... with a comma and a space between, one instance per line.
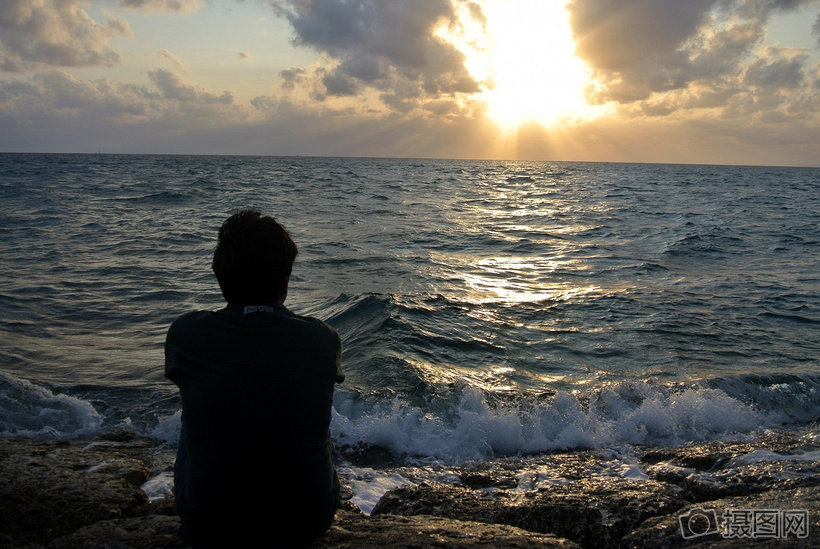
x=486, y=308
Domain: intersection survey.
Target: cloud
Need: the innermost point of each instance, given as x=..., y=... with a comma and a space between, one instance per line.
x=54, y=112
x=56, y=33
x=172, y=86
x=54, y=99
x=170, y=57
x=777, y=69
x=775, y=87
x=56, y=95
x=641, y=47
x=816, y=28
x=60, y=33
x=313, y=84
x=692, y=81
x=392, y=47
x=182, y=6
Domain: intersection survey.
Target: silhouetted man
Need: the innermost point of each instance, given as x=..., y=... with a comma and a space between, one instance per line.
x=254, y=466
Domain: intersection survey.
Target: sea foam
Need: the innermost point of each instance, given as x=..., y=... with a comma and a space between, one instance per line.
x=478, y=428
x=32, y=411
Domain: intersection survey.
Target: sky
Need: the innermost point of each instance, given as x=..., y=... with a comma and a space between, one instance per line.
x=668, y=81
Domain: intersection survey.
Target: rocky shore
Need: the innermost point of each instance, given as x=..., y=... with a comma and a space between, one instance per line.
x=89, y=494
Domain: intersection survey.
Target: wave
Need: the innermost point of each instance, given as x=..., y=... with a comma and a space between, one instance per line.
x=463, y=422
x=32, y=411
x=472, y=424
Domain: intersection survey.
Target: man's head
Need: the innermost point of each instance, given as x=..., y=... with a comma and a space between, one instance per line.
x=253, y=258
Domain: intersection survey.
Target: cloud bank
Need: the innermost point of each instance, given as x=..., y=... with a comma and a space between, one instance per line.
x=34, y=33
x=643, y=47
x=390, y=48
x=683, y=77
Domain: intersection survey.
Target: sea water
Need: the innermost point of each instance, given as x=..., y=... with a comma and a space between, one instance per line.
x=487, y=309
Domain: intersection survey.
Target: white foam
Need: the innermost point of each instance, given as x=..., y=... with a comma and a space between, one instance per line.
x=32, y=411
x=159, y=487
x=768, y=456
x=632, y=471
x=168, y=428
x=475, y=429
x=369, y=486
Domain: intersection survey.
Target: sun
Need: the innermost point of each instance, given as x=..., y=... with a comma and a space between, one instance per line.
x=526, y=59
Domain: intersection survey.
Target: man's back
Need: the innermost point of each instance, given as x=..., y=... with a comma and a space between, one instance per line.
x=257, y=387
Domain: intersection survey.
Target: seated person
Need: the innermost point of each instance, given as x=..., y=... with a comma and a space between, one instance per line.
x=254, y=466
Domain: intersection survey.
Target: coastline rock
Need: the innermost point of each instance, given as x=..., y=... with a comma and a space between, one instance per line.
x=52, y=488
x=589, y=512
x=353, y=530
x=151, y=532
x=714, y=471
x=715, y=531
x=88, y=493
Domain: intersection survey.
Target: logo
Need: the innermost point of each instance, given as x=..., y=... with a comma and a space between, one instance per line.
x=746, y=523
x=698, y=522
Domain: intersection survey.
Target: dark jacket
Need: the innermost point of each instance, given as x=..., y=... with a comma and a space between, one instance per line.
x=256, y=384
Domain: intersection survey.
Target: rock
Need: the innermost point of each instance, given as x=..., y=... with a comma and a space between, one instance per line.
x=87, y=494
x=354, y=530
x=591, y=513
x=52, y=488
x=728, y=470
x=150, y=532
x=713, y=530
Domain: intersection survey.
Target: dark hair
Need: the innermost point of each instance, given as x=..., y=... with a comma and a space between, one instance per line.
x=253, y=258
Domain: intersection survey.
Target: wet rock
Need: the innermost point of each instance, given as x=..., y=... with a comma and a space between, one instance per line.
x=491, y=479
x=49, y=489
x=590, y=512
x=696, y=456
x=87, y=493
x=722, y=523
x=366, y=455
x=354, y=530
x=737, y=470
x=69, y=494
x=149, y=532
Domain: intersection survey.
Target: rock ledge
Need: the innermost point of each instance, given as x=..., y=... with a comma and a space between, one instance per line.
x=87, y=493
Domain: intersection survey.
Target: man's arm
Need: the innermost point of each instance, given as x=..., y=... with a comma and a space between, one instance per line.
x=340, y=375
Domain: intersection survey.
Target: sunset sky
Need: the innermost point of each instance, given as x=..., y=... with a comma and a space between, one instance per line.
x=688, y=81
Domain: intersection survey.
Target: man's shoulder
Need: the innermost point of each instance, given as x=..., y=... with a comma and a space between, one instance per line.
x=188, y=322
x=202, y=322
x=315, y=325
x=191, y=317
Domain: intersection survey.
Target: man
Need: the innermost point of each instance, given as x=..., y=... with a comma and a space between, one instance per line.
x=254, y=466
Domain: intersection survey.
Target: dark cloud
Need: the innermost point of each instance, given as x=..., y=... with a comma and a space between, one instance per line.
x=816, y=28
x=776, y=87
x=58, y=97
x=54, y=33
x=292, y=77
x=626, y=35
x=390, y=46
x=640, y=47
x=780, y=69
x=339, y=84
x=171, y=86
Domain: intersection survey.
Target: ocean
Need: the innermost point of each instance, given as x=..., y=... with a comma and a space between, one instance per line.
x=488, y=310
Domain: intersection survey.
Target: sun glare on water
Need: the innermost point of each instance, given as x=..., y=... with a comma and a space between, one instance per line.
x=526, y=56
